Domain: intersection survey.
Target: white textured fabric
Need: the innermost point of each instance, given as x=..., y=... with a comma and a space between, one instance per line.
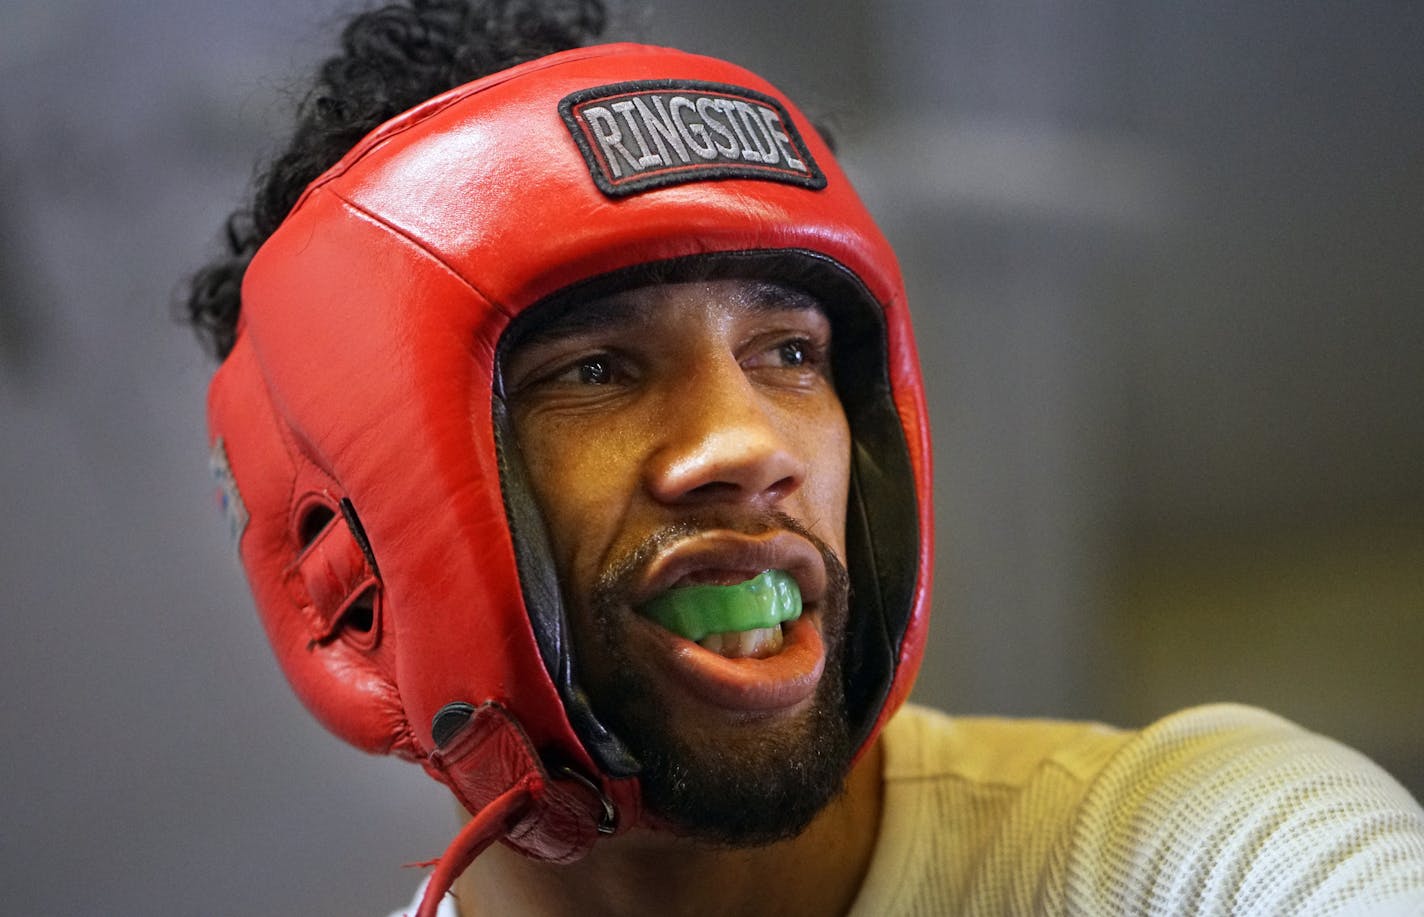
x=1214, y=811
x=446, y=908
x=1219, y=810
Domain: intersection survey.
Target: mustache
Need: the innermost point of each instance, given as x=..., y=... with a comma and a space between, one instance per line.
x=618, y=577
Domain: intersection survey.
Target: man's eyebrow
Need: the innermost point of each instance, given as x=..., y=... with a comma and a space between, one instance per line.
x=582, y=318
x=767, y=296
x=599, y=314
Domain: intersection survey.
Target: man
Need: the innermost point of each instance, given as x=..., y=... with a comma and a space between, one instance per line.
x=571, y=429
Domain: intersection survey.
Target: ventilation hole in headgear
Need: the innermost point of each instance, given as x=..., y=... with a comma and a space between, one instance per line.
x=316, y=516
x=359, y=618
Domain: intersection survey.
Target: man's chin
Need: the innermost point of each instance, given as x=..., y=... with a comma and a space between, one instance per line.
x=744, y=786
x=740, y=777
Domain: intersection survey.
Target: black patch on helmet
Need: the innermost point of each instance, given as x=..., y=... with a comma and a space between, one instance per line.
x=649, y=134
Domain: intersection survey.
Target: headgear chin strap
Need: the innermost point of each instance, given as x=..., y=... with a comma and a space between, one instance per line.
x=397, y=560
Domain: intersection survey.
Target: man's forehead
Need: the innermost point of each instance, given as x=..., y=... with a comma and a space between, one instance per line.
x=636, y=304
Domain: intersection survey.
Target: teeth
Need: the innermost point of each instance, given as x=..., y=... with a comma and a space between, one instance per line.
x=759, y=643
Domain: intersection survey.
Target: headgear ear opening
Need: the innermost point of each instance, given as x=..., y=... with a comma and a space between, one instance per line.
x=319, y=599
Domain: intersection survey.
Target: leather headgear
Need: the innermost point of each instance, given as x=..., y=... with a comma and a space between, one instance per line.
x=396, y=557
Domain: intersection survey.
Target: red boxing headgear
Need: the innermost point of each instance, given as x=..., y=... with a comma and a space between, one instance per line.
x=396, y=556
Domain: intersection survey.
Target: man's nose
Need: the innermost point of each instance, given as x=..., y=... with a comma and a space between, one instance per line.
x=723, y=441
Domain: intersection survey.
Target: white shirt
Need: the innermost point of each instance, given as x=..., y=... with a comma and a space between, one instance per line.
x=1218, y=810
x=1213, y=811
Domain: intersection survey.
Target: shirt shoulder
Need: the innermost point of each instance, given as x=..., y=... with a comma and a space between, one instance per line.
x=1227, y=809
x=1216, y=810
x=977, y=811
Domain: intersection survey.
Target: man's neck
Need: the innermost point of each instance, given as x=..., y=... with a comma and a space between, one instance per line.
x=818, y=872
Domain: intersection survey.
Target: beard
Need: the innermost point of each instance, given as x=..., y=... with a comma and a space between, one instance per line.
x=747, y=785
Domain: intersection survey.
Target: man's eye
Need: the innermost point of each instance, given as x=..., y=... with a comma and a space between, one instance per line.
x=793, y=353
x=594, y=371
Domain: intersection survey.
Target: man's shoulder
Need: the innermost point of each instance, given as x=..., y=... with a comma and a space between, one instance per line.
x=1219, y=809
x=1205, y=767
x=1230, y=741
x=1226, y=809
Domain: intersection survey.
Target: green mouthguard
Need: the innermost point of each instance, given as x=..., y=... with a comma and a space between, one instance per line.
x=766, y=600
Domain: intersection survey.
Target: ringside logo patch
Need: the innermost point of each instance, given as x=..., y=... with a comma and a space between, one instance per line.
x=652, y=133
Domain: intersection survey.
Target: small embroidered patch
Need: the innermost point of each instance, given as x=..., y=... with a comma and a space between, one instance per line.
x=230, y=501
x=652, y=133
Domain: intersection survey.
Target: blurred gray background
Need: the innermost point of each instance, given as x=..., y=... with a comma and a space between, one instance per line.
x=1165, y=265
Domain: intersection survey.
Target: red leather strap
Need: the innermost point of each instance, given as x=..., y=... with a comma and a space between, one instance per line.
x=491, y=755
x=481, y=831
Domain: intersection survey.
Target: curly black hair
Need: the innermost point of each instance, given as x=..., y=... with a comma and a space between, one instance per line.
x=391, y=59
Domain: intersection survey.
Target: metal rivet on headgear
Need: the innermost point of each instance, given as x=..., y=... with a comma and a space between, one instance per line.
x=447, y=723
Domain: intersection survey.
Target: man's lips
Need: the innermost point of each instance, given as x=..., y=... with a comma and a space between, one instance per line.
x=744, y=685
x=729, y=557
x=752, y=685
